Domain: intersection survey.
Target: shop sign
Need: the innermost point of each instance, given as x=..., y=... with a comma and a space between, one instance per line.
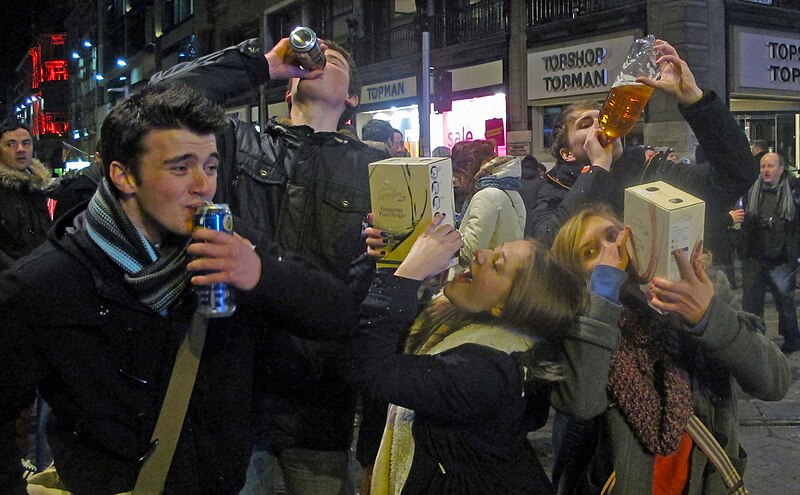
x=768, y=60
x=496, y=131
x=576, y=69
x=389, y=90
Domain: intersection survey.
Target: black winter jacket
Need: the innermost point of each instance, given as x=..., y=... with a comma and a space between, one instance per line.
x=471, y=401
x=309, y=192
x=24, y=218
x=729, y=173
x=773, y=240
x=103, y=361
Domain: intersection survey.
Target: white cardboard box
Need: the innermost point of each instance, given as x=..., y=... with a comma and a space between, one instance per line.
x=405, y=194
x=662, y=218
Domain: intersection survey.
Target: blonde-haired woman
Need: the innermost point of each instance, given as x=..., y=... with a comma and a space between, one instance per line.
x=668, y=368
x=460, y=390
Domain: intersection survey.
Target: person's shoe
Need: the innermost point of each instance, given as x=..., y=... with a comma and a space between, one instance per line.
x=790, y=346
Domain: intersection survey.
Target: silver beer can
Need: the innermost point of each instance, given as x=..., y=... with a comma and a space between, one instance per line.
x=305, y=45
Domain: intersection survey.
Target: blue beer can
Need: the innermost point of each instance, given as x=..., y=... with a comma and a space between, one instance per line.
x=215, y=300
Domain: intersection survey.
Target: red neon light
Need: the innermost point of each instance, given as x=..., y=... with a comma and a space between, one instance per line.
x=56, y=70
x=57, y=39
x=46, y=123
x=37, y=71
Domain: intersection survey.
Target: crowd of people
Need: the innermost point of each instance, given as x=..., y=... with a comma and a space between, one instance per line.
x=547, y=308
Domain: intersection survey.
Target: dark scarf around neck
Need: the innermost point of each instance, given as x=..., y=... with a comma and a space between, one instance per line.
x=156, y=274
x=786, y=209
x=650, y=383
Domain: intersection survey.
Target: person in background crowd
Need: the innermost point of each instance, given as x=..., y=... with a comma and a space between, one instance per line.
x=441, y=152
x=759, y=148
x=306, y=186
x=24, y=221
x=103, y=356
x=76, y=187
x=684, y=360
x=533, y=173
x=24, y=218
x=492, y=211
x=457, y=424
x=588, y=170
x=398, y=144
x=379, y=134
x=771, y=232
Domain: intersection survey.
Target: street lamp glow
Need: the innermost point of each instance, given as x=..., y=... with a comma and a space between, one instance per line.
x=87, y=43
x=98, y=77
x=123, y=78
x=75, y=55
x=27, y=100
x=121, y=62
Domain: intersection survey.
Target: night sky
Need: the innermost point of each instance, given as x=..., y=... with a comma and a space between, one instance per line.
x=17, y=26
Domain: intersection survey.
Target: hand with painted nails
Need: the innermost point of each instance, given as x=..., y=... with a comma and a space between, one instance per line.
x=688, y=297
x=432, y=251
x=376, y=238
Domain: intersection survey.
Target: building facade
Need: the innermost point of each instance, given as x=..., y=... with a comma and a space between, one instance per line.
x=499, y=68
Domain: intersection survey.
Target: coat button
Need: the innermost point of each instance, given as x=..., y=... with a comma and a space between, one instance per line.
x=345, y=203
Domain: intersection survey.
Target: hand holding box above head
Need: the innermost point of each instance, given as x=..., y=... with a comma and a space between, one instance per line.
x=406, y=193
x=432, y=252
x=690, y=296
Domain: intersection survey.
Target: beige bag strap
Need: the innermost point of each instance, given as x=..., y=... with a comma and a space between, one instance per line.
x=712, y=449
x=153, y=474
x=716, y=454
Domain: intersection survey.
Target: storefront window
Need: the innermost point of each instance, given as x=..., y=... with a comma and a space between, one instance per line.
x=781, y=131
x=549, y=118
x=467, y=121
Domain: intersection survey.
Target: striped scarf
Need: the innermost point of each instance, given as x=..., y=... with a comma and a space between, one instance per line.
x=156, y=274
x=785, y=200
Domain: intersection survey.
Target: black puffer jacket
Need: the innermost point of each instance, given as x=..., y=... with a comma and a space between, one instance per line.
x=103, y=360
x=308, y=191
x=24, y=219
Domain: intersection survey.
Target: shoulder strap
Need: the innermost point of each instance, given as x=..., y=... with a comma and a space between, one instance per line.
x=713, y=450
x=170, y=420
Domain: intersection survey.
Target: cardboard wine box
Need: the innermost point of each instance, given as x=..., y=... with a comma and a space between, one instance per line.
x=663, y=218
x=406, y=193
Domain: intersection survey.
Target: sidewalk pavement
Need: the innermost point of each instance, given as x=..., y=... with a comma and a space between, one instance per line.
x=770, y=431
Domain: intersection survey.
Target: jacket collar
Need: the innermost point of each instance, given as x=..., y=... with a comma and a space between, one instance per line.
x=35, y=178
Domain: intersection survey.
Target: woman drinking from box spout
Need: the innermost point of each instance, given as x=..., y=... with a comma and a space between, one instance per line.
x=473, y=356
x=670, y=370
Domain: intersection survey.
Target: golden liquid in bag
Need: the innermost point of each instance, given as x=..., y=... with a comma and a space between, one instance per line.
x=622, y=108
